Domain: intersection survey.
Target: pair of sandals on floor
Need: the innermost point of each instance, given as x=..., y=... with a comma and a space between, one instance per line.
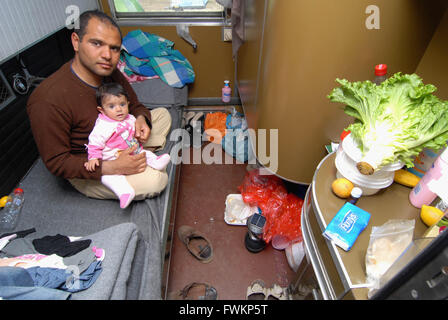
x=258, y=291
x=204, y=291
x=201, y=248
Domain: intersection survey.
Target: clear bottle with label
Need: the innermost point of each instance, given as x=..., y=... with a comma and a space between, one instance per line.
x=423, y=161
x=380, y=73
x=226, y=92
x=9, y=215
x=421, y=194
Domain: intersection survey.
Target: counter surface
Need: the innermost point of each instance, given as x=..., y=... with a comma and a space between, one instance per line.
x=390, y=203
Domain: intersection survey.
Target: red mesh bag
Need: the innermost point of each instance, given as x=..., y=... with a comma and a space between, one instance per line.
x=282, y=210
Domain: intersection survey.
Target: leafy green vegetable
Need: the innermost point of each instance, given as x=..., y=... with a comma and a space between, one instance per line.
x=395, y=120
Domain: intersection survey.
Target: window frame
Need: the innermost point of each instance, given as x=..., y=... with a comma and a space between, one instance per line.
x=168, y=18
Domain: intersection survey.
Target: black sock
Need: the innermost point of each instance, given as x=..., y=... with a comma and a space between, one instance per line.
x=60, y=245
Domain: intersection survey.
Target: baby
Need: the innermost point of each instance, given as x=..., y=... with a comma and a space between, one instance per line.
x=114, y=132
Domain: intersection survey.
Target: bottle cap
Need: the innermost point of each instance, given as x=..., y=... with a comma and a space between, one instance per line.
x=18, y=190
x=226, y=82
x=356, y=192
x=344, y=134
x=380, y=69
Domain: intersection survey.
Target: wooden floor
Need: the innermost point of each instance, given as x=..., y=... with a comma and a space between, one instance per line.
x=203, y=189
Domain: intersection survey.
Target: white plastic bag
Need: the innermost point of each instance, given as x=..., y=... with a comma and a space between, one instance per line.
x=387, y=243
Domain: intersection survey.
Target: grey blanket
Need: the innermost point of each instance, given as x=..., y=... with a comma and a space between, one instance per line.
x=133, y=265
x=119, y=243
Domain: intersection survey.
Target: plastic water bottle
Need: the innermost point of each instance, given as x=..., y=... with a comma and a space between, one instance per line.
x=421, y=194
x=226, y=92
x=355, y=194
x=380, y=73
x=9, y=215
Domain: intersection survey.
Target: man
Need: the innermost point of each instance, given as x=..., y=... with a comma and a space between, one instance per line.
x=62, y=112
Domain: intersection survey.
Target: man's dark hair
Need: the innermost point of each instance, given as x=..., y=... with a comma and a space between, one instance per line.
x=85, y=17
x=111, y=88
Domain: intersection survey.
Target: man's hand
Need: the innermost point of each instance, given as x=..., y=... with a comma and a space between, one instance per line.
x=127, y=163
x=142, y=130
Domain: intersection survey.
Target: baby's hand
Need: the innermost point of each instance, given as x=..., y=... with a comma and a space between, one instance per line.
x=91, y=164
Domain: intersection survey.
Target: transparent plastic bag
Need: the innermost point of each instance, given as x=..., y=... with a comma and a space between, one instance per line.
x=236, y=120
x=387, y=243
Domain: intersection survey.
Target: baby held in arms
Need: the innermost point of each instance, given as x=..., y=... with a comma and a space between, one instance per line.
x=114, y=132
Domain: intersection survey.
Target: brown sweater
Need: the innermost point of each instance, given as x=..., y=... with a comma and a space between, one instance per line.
x=62, y=112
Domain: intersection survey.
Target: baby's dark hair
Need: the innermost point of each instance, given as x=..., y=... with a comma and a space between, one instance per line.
x=111, y=88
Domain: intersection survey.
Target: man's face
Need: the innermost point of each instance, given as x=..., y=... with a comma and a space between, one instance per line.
x=99, y=50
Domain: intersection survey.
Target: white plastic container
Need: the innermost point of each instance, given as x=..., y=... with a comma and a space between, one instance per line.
x=237, y=212
x=280, y=242
x=369, y=184
x=295, y=253
x=352, y=149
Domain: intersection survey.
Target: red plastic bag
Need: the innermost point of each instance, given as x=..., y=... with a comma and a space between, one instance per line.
x=287, y=224
x=282, y=210
x=257, y=189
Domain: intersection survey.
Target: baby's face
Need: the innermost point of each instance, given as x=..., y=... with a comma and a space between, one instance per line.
x=115, y=107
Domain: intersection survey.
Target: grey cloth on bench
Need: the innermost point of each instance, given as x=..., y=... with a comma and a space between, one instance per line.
x=120, y=251
x=156, y=93
x=133, y=265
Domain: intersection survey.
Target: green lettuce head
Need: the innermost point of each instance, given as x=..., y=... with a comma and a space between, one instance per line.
x=393, y=121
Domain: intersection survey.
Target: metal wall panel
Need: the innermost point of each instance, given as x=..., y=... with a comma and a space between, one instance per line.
x=295, y=49
x=25, y=22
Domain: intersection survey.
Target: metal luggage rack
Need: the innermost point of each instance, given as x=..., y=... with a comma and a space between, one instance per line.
x=22, y=84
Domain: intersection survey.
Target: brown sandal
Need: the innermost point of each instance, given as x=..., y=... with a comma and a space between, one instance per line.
x=195, y=291
x=197, y=243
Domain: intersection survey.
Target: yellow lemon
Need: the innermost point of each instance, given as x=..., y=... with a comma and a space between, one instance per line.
x=430, y=215
x=3, y=201
x=342, y=187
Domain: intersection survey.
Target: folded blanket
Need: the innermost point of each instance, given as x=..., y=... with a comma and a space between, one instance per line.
x=119, y=243
x=147, y=54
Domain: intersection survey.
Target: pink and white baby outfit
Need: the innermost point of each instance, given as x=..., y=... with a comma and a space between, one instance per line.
x=107, y=138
